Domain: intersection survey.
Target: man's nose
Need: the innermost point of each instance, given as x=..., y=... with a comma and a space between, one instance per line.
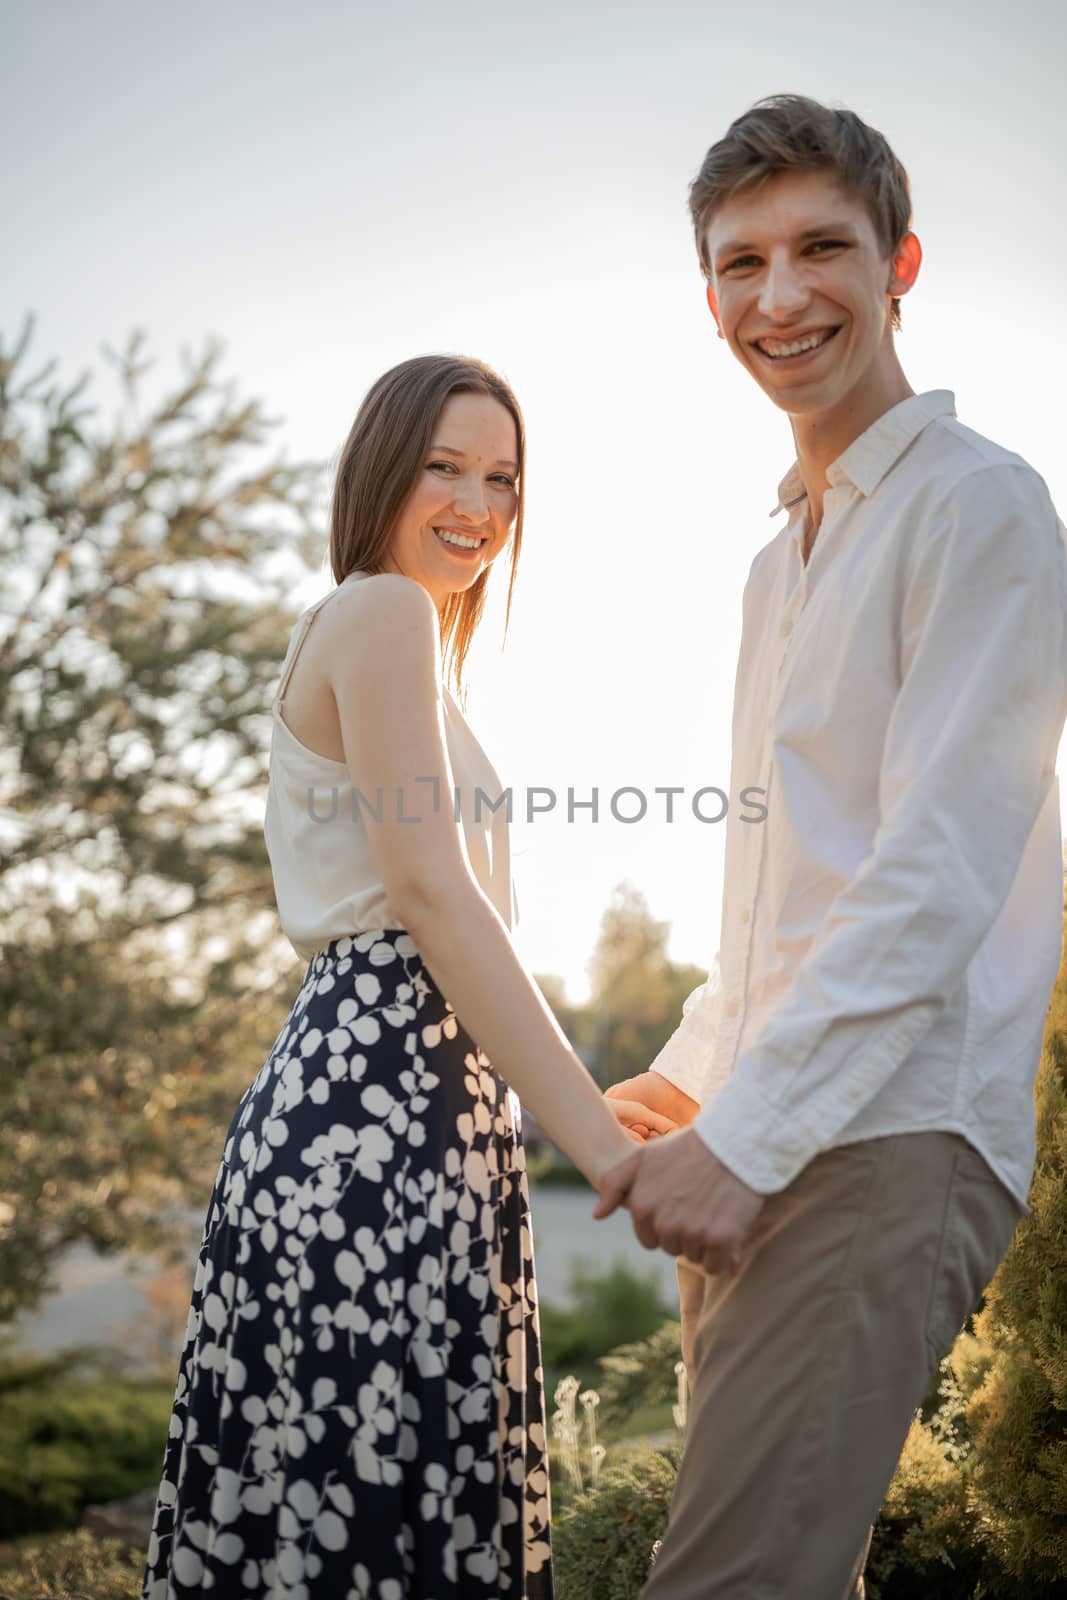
x=784, y=291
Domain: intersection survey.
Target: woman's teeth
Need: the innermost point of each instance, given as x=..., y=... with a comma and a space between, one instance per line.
x=458, y=540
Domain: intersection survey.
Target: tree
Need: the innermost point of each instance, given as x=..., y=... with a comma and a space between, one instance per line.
x=141, y=631
x=1019, y=1414
x=575, y=1020
x=627, y=971
x=637, y=992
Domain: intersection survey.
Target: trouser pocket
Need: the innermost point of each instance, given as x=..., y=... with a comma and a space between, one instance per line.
x=979, y=1221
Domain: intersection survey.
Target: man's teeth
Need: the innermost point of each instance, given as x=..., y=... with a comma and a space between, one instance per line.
x=458, y=539
x=770, y=348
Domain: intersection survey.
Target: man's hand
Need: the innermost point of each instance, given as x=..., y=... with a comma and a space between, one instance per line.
x=658, y=1095
x=683, y=1199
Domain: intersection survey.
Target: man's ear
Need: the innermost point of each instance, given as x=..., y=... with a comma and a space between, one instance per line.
x=713, y=307
x=906, y=264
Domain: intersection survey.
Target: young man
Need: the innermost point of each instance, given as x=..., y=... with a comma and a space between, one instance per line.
x=858, y=1069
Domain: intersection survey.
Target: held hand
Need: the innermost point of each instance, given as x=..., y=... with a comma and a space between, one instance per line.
x=683, y=1199
x=639, y=1122
x=657, y=1094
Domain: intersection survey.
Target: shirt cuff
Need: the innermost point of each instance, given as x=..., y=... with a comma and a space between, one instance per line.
x=767, y=1145
x=683, y=1062
x=751, y=1137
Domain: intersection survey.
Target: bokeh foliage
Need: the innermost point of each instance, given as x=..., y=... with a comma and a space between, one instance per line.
x=142, y=621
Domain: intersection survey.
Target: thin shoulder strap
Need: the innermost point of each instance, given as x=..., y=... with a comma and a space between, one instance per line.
x=300, y=633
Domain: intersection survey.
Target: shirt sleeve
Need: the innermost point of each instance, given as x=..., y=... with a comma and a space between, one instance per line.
x=968, y=759
x=685, y=1057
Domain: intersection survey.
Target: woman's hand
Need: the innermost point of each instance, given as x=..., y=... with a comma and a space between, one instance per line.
x=639, y=1121
x=656, y=1099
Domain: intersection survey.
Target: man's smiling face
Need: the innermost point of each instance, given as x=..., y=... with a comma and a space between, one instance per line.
x=801, y=291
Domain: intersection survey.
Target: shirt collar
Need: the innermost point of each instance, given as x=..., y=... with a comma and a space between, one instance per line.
x=868, y=458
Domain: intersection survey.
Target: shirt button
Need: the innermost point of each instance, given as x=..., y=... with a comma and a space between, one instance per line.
x=787, y=627
x=746, y=918
x=732, y=1009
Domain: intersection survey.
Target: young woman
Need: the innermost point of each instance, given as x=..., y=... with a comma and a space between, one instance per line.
x=359, y=1410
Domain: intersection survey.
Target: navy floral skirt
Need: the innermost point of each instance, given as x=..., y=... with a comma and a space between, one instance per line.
x=359, y=1410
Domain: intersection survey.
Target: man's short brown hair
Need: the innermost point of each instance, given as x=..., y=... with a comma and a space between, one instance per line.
x=792, y=133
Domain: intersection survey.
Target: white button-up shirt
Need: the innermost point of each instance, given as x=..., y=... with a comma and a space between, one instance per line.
x=892, y=930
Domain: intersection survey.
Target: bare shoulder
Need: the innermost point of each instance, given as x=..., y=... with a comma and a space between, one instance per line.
x=387, y=594
x=385, y=620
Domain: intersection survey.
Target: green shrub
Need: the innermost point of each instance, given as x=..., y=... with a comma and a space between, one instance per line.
x=927, y=1541
x=610, y=1309
x=1019, y=1414
x=641, y=1374
x=75, y=1566
x=931, y=1541
x=549, y=1168
x=68, y=1442
x=602, y=1541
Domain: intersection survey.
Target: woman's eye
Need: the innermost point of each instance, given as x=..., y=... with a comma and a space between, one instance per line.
x=450, y=467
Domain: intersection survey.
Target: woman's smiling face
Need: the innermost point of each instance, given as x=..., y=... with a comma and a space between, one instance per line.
x=462, y=506
x=798, y=262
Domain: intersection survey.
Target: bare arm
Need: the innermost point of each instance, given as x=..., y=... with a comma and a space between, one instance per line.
x=385, y=676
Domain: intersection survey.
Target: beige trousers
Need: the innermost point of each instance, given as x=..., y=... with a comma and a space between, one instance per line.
x=806, y=1368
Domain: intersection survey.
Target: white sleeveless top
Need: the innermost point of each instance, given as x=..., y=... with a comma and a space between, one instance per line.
x=326, y=880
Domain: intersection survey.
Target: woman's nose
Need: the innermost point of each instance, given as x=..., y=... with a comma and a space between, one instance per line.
x=470, y=499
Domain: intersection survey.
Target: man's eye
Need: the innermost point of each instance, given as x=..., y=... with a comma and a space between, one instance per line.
x=832, y=244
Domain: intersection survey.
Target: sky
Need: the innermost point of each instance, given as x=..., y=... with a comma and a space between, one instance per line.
x=331, y=188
